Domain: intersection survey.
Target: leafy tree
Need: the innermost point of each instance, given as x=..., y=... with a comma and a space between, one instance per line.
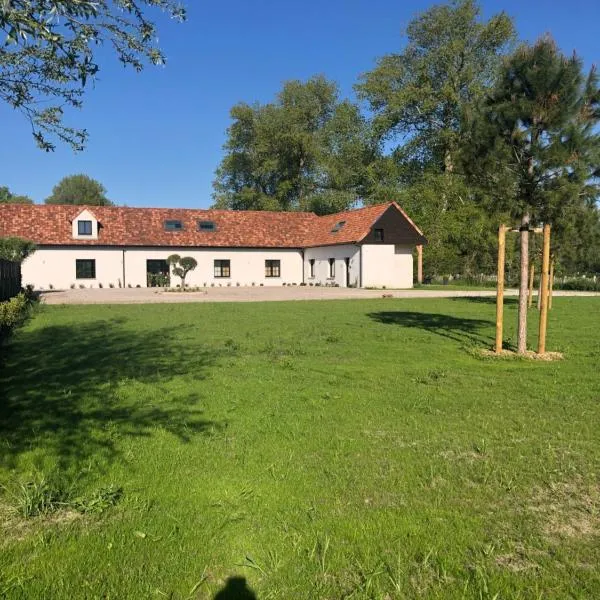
x=461, y=236
x=50, y=54
x=306, y=151
x=535, y=144
x=419, y=97
x=79, y=189
x=7, y=197
x=181, y=266
x=15, y=249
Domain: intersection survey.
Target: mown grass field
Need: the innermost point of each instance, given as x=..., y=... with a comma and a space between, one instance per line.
x=321, y=450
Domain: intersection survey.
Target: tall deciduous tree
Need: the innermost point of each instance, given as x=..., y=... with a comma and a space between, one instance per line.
x=7, y=197
x=419, y=97
x=79, y=189
x=49, y=54
x=536, y=141
x=306, y=151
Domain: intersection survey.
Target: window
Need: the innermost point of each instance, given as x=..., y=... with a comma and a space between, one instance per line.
x=85, y=268
x=222, y=268
x=84, y=228
x=272, y=268
x=338, y=226
x=173, y=225
x=157, y=273
x=207, y=226
x=379, y=235
x=311, y=262
x=332, y=267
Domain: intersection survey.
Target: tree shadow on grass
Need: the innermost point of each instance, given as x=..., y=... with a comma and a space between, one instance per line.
x=68, y=392
x=458, y=329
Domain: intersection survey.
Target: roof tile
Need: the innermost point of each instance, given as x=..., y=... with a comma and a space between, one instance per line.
x=125, y=226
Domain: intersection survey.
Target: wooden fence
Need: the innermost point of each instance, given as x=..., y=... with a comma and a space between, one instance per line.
x=10, y=279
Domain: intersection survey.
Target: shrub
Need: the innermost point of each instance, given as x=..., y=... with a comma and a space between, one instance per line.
x=582, y=284
x=111, y=285
x=100, y=286
x=14, y=311
x=15, y=249
x=81, y=286
x=72, y=286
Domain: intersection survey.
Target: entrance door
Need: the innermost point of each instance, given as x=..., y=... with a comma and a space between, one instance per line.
x=347, y=263
x=157, y=273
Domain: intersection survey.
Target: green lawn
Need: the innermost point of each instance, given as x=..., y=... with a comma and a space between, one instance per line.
x=335, y=449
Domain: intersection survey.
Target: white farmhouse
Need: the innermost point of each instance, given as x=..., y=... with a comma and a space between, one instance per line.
x=121, y=246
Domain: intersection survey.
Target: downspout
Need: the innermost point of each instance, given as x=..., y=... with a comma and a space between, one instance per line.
x=302, y=254
x=124, y=267
x=360, y=267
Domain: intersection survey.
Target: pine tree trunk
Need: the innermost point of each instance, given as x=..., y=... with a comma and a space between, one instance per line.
x=523, y=286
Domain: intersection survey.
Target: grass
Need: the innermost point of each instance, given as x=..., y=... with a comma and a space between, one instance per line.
x=341, y=449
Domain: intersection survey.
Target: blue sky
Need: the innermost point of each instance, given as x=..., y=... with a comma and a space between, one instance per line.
x=156, y=137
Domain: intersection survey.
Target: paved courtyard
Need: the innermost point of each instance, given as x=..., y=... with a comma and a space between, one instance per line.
x=255, y=294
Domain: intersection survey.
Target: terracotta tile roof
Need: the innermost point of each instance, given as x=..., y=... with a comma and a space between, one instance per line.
x=124, y=226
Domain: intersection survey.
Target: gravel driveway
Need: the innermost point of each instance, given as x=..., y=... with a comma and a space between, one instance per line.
x=255, y=294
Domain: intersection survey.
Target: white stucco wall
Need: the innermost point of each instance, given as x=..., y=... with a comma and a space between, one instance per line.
x=387, y=265
x=247, y=265
x=383, y=265
x=321, y=256
x=56, y=266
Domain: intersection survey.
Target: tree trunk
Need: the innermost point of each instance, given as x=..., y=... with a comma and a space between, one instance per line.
x=523, y=287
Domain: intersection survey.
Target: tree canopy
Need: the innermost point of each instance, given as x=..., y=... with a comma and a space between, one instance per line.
x=79, y=189
x=16, y=249
x=50, y=54
x=306, y=151
x=7, y=197
x=420, y=96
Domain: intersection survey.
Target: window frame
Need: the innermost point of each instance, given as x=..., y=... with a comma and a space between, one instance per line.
x=275, y=264
x=221, y=266
x=171, y=228
x=78, y=265
x=338, y=226
x=85, y=222
x=378, y=234
x=331, y=262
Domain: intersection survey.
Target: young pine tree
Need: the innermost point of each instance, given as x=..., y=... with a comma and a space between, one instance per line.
x=535, y=143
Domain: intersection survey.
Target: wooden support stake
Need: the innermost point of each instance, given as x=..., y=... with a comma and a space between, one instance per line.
x=551, y=285
x=531, y=274
x=500, y=288
x=544, y=290
x=419, y=264
x=539, y=296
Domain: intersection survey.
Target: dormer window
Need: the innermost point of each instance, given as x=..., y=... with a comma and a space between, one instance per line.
x=379, y=235
x=84, y=228
x=338, y=226
x=173, y=225
x=207, y=226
